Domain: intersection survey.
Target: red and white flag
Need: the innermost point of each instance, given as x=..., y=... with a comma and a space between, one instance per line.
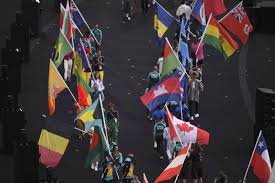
x=144, y=179
x=175, y=166
x=260, y=160
x=187, y=132
x=237, y=22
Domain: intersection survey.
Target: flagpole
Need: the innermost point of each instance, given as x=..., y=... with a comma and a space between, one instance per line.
x=184, y=70
x=65, y=84
x=251, y=156
x=203, y=33
x=167, y=11
x=85, y=22
x=103, y=117
x=176, y=178
x=229, y=12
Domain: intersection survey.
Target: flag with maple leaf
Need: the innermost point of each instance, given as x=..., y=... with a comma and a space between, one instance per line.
x=187, y=132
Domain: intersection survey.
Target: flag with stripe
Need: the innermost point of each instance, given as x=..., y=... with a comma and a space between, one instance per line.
x=175, y=166
x=219, y=38
x=162, y=21
x=53, y=141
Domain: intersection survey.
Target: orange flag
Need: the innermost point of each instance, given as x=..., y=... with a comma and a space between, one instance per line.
x=56, y=85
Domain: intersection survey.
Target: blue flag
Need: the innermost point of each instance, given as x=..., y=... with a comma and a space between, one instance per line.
x=77, y=16
x=198, y=13
x=183, y=46
x=162, y=21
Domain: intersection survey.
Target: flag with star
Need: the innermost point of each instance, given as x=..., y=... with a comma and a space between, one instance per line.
x=260, y=160
x=169, y=89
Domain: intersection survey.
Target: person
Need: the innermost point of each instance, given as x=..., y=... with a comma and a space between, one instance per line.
x=184, y=11
x=127, y=9
x=112, y=119
x=195, y=86
x=144, y=6
x=87, y=42
x=96, y=93
x=98, y=36
x=128, y=168
x=118, y=160
x=184, y=173
x=98, y=67
x=108, y=172
x=199, y=57
x=153, y=77
x=68, y=63
x=158, y=137
x=197, y=163
x=221, y=177
x=160, y=64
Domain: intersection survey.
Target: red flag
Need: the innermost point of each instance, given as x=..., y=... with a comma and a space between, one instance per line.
x=237, y=22
x=216, y=7
x=172, y=129
x=175, y=166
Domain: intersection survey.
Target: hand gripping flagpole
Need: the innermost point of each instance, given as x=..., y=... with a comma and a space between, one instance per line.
x=260, y=133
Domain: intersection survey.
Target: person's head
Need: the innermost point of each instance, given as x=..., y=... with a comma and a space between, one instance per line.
x=111, y=106
x=115, y=148
x=182, y=1
x=96, y=87
x=194, y=75
x=87, y=34
x=96, y=26
x=156, y=68
x=135, y=177
x=222, y=177
x=99, y=53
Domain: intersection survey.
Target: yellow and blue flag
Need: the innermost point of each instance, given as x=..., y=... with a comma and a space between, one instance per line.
x=162, y=21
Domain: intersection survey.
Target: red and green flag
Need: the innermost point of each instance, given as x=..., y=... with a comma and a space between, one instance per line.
x=97, y=147
x=170, y=60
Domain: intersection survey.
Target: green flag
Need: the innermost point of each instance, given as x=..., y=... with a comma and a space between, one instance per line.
x=62, y=47
x=97, y=147
x=170, y=61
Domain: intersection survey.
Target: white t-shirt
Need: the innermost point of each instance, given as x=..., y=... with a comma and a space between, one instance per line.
x=184, y=9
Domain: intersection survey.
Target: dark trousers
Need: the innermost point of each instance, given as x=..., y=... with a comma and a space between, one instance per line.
x=160, y=147
x=191, y=107
x=144, y=6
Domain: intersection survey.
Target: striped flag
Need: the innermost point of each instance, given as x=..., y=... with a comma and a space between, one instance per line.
x=175, y=166
x=53, y=141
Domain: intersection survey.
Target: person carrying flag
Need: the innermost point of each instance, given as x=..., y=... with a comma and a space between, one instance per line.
x=112, y=118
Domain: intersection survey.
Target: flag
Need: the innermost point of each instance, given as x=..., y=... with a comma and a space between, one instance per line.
x=170, y=60
x=189, y=133
x=77, y=16
x=219, y=38
x=260, y=160
x=162, y=21
x=237, y=22
x=144, y=179
x=272, y=175
x=53, y=141
x=89, y=114
x=67, y=28
x=198, y=12
x=85, y=61
x=97, y=147
x=56, y=85
x=216, y=7
x=83, y=91
x=62, y=47
x=183, y=46
x=175, y=166
x=172, y=130
x=61, y=17
x=167, y=90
